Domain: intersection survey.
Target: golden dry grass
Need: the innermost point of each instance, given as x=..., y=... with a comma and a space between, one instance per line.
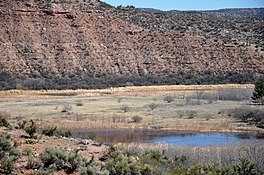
x=104, y=108
x=121, y=90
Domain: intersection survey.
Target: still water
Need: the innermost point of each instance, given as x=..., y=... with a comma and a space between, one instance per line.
x=213, y=139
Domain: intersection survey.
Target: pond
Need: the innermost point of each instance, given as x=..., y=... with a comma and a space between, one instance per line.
x=212, y=139
x=178, y=138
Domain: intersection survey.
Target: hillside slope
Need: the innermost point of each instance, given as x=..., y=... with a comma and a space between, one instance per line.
x=57, y=43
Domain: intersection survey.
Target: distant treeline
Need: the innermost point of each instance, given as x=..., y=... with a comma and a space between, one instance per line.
x=98, y=82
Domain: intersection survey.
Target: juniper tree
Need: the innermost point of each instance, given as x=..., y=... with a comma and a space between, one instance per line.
x=258, y=94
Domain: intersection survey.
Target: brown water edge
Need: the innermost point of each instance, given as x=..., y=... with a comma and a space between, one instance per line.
x=140, y=136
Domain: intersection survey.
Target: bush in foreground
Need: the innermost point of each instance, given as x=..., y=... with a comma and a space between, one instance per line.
x=54, y=157
x=31, y=129
x=8, y=154
x=118, y=163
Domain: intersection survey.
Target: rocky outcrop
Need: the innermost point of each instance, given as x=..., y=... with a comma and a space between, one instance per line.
x=44, y=40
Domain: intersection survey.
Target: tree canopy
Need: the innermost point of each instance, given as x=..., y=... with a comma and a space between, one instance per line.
x=258, y=94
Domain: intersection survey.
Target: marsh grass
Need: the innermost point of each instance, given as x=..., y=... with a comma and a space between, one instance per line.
x=222, y=156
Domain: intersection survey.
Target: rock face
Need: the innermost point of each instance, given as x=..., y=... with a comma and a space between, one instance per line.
x=56, y=40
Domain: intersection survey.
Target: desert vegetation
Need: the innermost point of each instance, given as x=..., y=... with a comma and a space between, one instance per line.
x=67, y=116
x=129, y=159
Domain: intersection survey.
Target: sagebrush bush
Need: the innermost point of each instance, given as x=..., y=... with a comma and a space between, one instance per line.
x=31, y=128
x=118, y=163
x=49, y=131
x=5, y=142
x=60, y=159
x=8, y=154
x=21, y=124
x=33, y=164
x=90, y=168
x=87, y=170
x=60, y=133
x=245, y=167
x=75, y=160
x=7, y=164
x=27, y=152
x=56, y=157
x=45, y=171
x=156, y=161
x=30, y=142
x=53, y=131
x=4, y=122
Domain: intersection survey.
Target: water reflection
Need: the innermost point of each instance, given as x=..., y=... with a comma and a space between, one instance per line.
x=213, y=139
x=180, y=138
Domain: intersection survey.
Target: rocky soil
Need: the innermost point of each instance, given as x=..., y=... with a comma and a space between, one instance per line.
x=87, y=148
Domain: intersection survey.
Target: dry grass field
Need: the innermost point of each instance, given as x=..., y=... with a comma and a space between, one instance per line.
x=193, y=108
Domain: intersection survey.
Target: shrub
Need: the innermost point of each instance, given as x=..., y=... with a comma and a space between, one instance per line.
x=245, y=167
x=153, y=106
x=27, y=152
x=54, y=157
x=30, y=142
x=234, y=94
x=49, y=131
x=258, y=94
x=168, y=99
x=7, y=164
x=3, y=122
x=5, y=142
x=118, y=163
x=87, y=170
x=125, y=108
x=31, y=129
x=52, y=131
x=59, y=158
x=75, y=160
x=89, y=167
x=33, y=164
x=154, y=157
x=156, y=162
x=22, y=125
x=60, y=133
x=249, y=115
x=8, y=154
x=66, y=107
x=45, y=171
x=202, y=169
x=92, y=136
x=136, y=119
